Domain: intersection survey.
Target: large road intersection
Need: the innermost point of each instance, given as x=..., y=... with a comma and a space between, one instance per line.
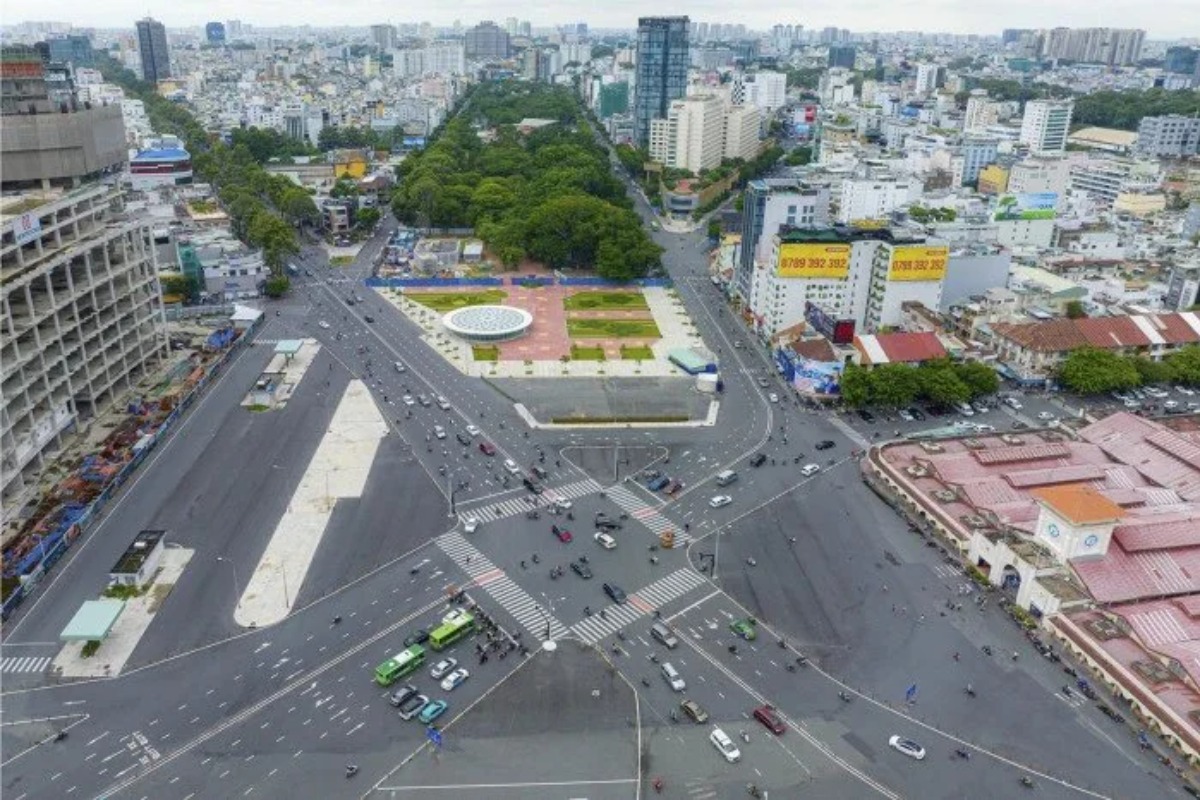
x=206, y=709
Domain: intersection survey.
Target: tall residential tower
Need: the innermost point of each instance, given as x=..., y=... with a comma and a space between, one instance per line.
x=152, y=45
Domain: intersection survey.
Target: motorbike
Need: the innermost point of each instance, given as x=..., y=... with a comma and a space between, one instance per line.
x=845, y=698
x=745, y=736
x=1027, y=782
x=351, y=770
x=970, y=691
x=963, y=754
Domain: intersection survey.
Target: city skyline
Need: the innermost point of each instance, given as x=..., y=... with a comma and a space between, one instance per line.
x=1168, y=23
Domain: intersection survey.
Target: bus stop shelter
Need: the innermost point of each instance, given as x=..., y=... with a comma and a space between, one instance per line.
x=93, y=621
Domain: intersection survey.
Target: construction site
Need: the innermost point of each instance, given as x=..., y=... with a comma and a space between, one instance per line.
x=75, y=487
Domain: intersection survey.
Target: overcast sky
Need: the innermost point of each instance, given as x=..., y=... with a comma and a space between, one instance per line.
x=1165, y=19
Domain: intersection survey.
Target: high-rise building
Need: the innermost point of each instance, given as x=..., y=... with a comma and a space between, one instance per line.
x=977, y=152
x=613, y=99
x=383, y=37
x=765, y=89
x=661, y=72
x=152, y=46
x=842, y=55
x=926, y=78
x=1045, y=125
x=1181, y=60
x=742, y=125
x=1171, y=136
x=487, y=41
x=1112, y=46
x=73, y=49
x=214, y=32
x=769, y=204
x=692, y=135
x=981, y=112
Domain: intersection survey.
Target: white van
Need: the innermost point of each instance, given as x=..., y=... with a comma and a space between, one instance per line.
x=965, y=409
x=727, y=477
x=673, y=678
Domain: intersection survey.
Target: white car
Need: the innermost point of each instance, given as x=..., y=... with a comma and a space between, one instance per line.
x=1155, y=392
x=1171, y=404
x=471, y=524
x=1045, y=416
x=472, y=430
x=604, y=540
x=400, y=367
x=908, y=747
x=1131, y=403
x=1185, y=390
x=906, y=415
x=965, y=410
x=725, y=745
x=439, y=431
x=456, y=678
x=774, y=398
x=1013, y=403
x=442, y=403
x=512, y=467
x=443, y=668
x=808, y=470
x=323, y=325
x=408, y=400
x=985, y=428
x=720, y=500
x=562, y=504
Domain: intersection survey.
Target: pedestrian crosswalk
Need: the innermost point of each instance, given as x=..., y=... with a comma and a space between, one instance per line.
x=642, y=602
x=519, y=504
x=645, y=514
x=25, y=663
x=531, y=615
x=947, y=571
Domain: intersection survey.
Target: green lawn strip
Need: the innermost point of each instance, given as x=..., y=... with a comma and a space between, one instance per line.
x=593, y=301
x=584, y=353
x=636, y=352
x=485, y=352
x=612, y=329
x=448, y=301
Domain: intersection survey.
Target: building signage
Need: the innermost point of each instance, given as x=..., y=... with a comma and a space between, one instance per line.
x=919, y=263
x=1025, y=206
x=817, y=377
x=838, y=331
x=26, y=228
x=814, y=260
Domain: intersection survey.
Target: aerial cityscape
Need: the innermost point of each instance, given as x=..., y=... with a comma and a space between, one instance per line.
x=707, y=405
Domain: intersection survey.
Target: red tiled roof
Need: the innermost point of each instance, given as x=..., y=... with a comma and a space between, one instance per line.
x=1110, y=332
x=911, y=347
x=1061, y=335
x=1054, y=336
x=816, y=349
x=1166, y=532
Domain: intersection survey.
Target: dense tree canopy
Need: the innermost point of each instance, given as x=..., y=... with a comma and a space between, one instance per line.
x=1125, y=109
x=941, y=382
x=549, y=195
x=1090, y=370
x=265, y=144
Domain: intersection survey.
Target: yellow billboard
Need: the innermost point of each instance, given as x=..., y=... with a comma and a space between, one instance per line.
x=814, y=261
x=917, y=263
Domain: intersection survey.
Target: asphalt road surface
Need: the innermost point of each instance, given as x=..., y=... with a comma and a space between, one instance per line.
x=208, y=710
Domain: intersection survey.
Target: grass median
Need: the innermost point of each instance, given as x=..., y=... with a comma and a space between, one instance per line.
x=612, y=329
x=449, y=301
x=595, y=301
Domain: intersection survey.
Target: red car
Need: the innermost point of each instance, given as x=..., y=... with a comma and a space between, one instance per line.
x=770, y=720
x=563, y=534
x=487, y=448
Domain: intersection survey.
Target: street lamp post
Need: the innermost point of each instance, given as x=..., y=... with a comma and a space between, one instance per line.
x=237, y=590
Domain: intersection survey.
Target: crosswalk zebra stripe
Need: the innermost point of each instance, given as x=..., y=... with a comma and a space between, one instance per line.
x=640, y=603
x=649, y=516
x=520, y=504
x=511, y=597
x=25, y=663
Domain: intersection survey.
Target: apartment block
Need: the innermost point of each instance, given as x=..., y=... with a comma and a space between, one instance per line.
x=741, y=132
x=1046, y=124
x=1172, y=136
x=692, y=136
x=770, y=204
x=81, y=320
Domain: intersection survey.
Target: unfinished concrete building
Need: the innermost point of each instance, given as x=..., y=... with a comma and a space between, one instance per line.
x=81, y=320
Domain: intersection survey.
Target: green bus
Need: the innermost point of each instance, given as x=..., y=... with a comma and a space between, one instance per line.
x=399, y=665
x=453, y=628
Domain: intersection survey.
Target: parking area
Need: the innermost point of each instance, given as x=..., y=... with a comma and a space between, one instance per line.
x=1006, y=411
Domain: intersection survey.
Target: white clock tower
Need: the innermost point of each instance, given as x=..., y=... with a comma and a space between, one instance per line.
x=1076, y=520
